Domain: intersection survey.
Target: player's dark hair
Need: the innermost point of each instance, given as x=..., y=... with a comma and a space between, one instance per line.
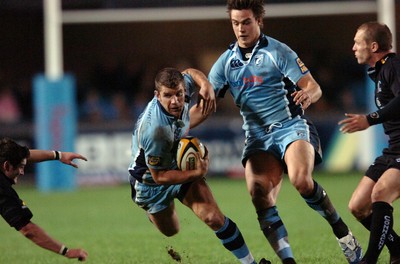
x=168, y=77
x=12, y=152
x=379, y=33
x=257, y=6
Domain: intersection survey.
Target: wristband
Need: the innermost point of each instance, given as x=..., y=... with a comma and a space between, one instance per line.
x=373, y=118
x=63, y=250
x=57, y=155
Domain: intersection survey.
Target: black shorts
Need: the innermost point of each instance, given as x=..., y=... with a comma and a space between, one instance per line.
x=382, y=164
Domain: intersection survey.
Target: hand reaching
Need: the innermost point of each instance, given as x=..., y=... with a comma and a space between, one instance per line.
x=68, y=157
x=353, y=123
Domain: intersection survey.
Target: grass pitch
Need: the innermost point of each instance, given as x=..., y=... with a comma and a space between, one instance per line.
x=105, y=222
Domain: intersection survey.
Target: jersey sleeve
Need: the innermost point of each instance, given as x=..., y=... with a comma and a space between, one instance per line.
x=395, y=83
x=218, y=78
x=290, y=64
x=190, y=86
x=391, y=111
x=14, y=211
x=157, y=149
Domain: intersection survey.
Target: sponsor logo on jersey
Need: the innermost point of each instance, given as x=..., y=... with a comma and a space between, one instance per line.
x=379, y=87
x=378, y=90
x=236, y=63
x=258, y=60
x=301, y=65
x=154, y=160
x=247, y=82
x=252, y=80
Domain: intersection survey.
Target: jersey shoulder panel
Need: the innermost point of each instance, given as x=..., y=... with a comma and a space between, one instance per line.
x=285, y=59
x=217, y=75
x=190, y=86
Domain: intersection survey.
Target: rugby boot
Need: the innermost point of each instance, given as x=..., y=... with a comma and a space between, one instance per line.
x=351, y=248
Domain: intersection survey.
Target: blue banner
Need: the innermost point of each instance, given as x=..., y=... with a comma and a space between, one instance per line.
x=55, y=129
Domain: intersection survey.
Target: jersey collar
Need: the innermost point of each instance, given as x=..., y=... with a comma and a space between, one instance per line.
x=373, y=71
x=261, y=43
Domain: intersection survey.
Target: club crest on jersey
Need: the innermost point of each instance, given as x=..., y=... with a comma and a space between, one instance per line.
x=258, y=60
x=301, y=65
x=154, y=160
x=236, y=63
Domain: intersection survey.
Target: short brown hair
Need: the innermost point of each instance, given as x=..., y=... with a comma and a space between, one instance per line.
x=257, y=6
x=379, y=33
x=168, y=77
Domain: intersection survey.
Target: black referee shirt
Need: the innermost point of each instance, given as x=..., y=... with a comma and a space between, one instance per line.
x=386, y=75
x=12, y=208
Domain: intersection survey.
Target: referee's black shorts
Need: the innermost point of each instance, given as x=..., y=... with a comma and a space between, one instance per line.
x=389, y=159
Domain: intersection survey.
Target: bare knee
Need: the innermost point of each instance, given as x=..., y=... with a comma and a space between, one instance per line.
x=262, y=197
x=358, y=211
x=169, y=232
x=379, y=193
x=303, y=184
x=215, y=220
x=166, y=227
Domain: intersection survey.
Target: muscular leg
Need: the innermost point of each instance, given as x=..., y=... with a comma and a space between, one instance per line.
x=384, y=193
x=264, y=177
x=360, y=206
x=299, y=158
x=200, y=199
x=166, y=221
x=360, y=202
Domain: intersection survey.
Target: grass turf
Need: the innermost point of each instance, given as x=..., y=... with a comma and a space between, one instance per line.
x=105, y=222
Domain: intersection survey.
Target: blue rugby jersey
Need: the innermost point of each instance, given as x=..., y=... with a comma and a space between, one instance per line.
x=156, y=136
x=260, y=86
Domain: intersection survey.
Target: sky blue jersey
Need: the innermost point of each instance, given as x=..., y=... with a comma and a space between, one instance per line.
x=156, y=136
x=260, y=86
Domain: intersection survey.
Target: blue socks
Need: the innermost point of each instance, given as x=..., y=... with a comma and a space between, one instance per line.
x=232, y=240
x=275, y=231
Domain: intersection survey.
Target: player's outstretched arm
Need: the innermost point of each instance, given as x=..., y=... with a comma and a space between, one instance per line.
x=37, y=155
x=38, y=236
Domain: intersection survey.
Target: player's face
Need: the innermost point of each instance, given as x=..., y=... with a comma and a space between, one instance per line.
x=362, y=50
x=172, y=100
x=13, y=172
x=246, y=27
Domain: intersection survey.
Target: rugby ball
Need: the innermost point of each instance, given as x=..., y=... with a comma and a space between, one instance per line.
x=185, y=155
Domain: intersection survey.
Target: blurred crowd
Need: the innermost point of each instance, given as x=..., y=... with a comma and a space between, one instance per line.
x=119, y=91
x=115, y=91
x=343, y=83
